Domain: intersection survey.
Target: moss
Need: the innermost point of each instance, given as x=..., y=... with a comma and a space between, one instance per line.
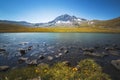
x=86, y=69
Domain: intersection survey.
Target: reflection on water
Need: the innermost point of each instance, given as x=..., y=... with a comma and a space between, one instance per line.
x=47, y=43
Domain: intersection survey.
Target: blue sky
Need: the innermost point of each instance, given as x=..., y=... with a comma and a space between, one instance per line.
x=46, y=10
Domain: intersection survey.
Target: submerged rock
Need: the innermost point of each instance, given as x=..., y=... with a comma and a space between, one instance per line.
x=29, y=48
x=4, y=68
x=32, y=63
x=116, y=63
x=91, y=50
x=95, y=54
x=50, y=58
x=2, y=50
x=41, y=57
x=67, y=63
x=22, y=51
x=66, y=51
x=22, y=59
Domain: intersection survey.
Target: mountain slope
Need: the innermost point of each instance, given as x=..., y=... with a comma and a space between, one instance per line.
x=63, y=20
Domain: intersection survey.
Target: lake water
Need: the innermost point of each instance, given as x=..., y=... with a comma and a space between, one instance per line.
x=48, y=43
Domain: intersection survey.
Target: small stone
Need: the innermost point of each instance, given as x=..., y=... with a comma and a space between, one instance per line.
x=22, y=59
x=29, y=48
x=22, y=51
x=67, y=63
x=41, y=57
x=50, y=58
x=116, y=63
x=32, y=63
x=91, y=50
x=4, y=68
x=66, y=51
x=2, y=50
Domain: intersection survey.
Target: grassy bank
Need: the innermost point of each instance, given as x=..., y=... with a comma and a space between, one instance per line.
x=58, y=29
x=86, y=69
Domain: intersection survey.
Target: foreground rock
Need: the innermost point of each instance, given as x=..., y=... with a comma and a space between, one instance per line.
x=95, y=54
x=22, y=59
x=2, y=50
x=32, y=62
x=116, y=63
x=4, y=68
x=22, y=51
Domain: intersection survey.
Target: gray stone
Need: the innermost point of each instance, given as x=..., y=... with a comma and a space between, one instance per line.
x=66, y=51
x=50, y=58
x=4, y=68
x=2, y=50
x=22, y=51
x=116, y=63
x=91, y=50
x=32, y=63
x=66, y=63
x=22, y=59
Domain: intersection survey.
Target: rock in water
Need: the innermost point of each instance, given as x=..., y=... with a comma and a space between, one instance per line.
x=32, y=63
x=50, y=58
x=22, y=59
x=2, y=50
x=4, y=68
x=22, y=51
x=116, y=63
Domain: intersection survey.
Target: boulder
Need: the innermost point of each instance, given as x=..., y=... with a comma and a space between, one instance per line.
x=116, y=63
x=109, y=48
x=91, y=50
x=50, y=58
x=95, y=54
x=2, y=50
x=4, y=68
x=41, y=57
x=32, y=63
x=22, y=59
x=29, y=48
x=22, y=51
x=66, y=51
x=67, y=63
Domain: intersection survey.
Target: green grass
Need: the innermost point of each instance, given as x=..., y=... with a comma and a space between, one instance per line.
x=86, y=69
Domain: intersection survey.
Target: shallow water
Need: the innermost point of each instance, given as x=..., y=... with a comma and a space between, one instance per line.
x=47, y=43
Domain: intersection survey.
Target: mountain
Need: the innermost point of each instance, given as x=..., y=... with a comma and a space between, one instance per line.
x=66, y=21
x=63, y=20
x=22, y=23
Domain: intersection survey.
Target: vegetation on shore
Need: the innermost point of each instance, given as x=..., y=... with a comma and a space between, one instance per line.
x=86, y=69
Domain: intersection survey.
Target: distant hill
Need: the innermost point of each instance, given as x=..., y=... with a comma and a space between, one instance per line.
x=62, y=22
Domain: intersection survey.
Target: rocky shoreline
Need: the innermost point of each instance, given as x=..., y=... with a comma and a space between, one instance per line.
x=107, y=56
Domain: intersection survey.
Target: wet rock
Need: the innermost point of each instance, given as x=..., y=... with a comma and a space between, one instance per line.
x=22, y=51
x=22, y=59
x=30, y=48
x=44, y=44
x=38, y=78
x=91, y=50
x=2, y=50
x=50, y=58
x=116, y=63
x=50, y=47
x=95, y=54
x=109, y=48
x=59, y=55
x=67, y=63
x=24, y=43
x=66, y=51
x=114, y=53
x=41, y=57
x=32, y=63
x=4, y=68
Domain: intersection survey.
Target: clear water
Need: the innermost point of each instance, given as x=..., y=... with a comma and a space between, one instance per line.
x=47, y=43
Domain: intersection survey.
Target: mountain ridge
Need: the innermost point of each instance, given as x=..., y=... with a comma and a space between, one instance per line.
x=66, y=20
